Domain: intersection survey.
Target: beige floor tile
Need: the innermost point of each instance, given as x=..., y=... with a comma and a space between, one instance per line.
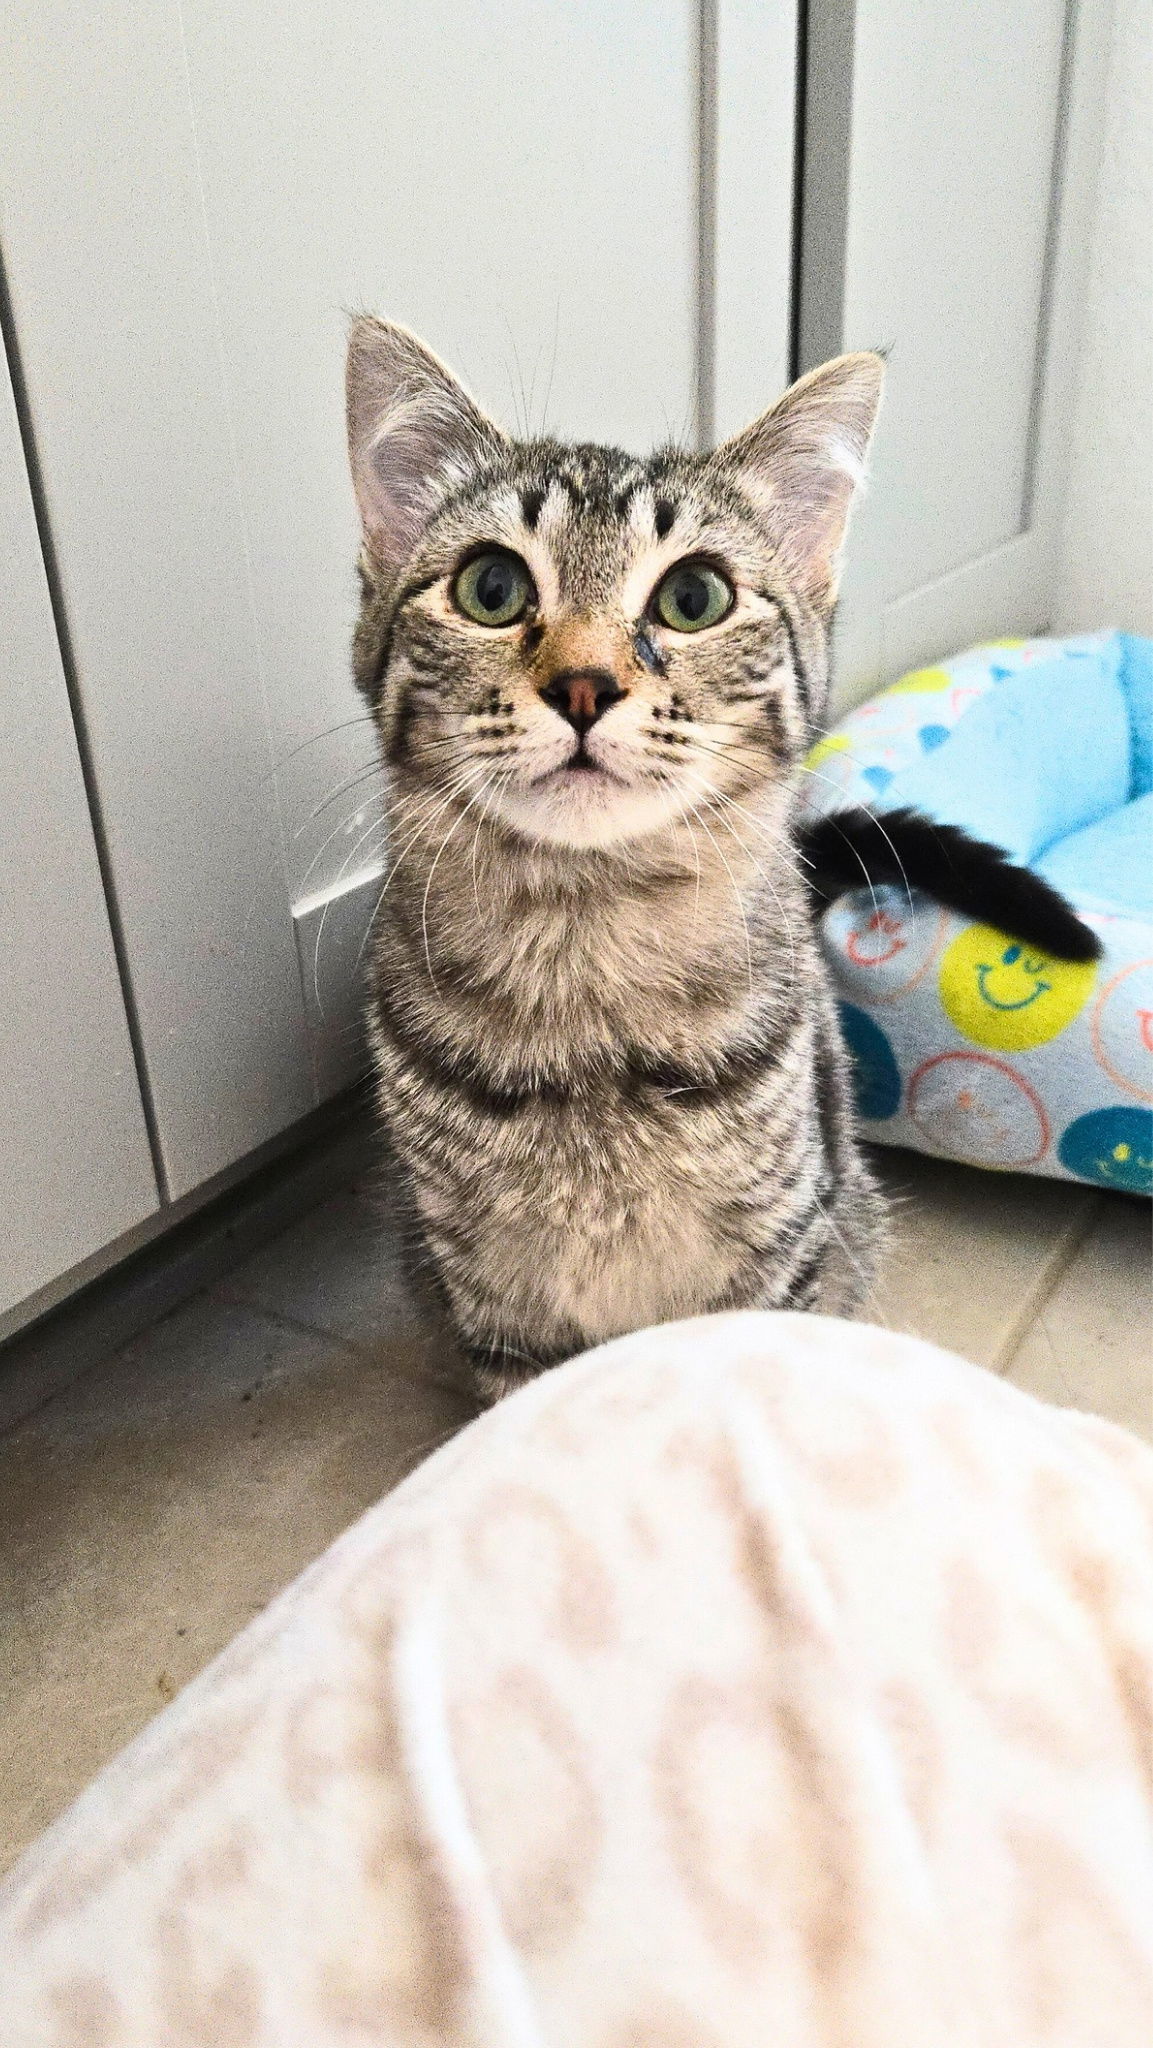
x=973, y=1253
x=1092, y=1343
x=152, y=1508
x=337, y=1270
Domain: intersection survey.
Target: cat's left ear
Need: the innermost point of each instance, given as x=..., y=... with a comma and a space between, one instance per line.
x=413, y=431
x=802, y=461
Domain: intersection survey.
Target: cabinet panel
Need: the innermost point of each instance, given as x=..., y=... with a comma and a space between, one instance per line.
x=954, y=122
x=76, y=1167
x=192, y=202
x=112, y=295
x=948, y=229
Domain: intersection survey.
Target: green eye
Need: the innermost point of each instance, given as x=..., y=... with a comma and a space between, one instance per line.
x=693, y=596
x=494, y=589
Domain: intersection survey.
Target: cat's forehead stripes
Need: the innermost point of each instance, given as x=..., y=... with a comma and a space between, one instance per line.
x=600, y=482
x=531, y=505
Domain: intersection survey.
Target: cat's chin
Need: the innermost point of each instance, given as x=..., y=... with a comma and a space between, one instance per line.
x=586, y=809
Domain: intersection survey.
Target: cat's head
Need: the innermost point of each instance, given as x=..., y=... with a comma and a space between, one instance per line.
x=585, y=644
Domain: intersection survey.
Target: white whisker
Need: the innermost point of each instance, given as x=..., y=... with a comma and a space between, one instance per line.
x=476, y=835
x=684, y=822
x=450, y=834
x=720, y=797
x=832, y=816
x=314, y=739
x=736, y=893
x=349, y=819
x=425, y=822
x=370, y=768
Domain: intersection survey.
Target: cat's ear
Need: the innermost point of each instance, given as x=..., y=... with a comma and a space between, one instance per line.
x=802, y=461
x=413, y=431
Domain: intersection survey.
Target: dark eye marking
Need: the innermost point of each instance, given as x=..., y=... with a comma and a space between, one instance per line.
x=649, y=654
x=801, y=675
x=532, y=503
x=416, y=589
x=778, y=739
x=663, y=517
x=533, y=635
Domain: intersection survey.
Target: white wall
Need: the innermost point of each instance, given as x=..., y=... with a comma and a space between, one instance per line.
x=1105, y=574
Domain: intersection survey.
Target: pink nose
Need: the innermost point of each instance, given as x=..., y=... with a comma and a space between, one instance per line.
x=582, y=695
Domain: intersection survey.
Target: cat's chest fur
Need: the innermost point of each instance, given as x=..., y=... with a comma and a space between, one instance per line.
x=606, y=1099
x=566, y=973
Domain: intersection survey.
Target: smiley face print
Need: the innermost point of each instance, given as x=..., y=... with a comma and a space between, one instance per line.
x=968, y=1105
x=1009, y=996
x=881, y=944
x=1113, y=1147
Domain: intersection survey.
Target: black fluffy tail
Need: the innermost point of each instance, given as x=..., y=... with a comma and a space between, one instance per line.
x=851, y=849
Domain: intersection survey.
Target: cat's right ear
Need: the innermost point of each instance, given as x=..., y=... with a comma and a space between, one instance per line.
x=802, y=462
x=413, y=431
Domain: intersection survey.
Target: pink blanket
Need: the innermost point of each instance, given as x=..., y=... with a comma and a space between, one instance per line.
x=756, y=1680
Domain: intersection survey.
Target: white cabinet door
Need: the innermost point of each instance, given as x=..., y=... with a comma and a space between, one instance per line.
x=75, y=1166
x=948, y=177
x=193, y=198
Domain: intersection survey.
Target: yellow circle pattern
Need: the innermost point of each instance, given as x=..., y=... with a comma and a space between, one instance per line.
x=920, y=681
x=832, y=743
x=1003, y=994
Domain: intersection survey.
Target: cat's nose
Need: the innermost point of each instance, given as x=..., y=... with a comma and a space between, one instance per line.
x=582, y=695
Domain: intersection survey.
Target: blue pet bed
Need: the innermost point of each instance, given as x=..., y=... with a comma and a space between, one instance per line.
x=967, y=1044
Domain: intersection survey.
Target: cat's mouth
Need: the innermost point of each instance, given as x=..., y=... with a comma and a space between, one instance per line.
x=580, y=802
x=580, y=762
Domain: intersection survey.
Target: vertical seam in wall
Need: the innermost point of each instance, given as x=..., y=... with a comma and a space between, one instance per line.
x=1057, y=183
x=706, y=196
x=9, y=341
x=824, y=145
x=800, y=126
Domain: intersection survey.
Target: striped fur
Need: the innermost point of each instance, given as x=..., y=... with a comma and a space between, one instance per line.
x=606, y=1046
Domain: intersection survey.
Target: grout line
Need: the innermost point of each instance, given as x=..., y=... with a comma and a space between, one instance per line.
x=223, y=1291
x=19, y=1421
x=1071, y=1395
x=443, y=1382
x=1064, y=1250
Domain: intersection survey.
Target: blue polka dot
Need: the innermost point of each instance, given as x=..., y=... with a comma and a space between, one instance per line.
x=1000, y=675
x=876, y=1076
x=1113, y=1148
x=932, y=736
x=880, y=778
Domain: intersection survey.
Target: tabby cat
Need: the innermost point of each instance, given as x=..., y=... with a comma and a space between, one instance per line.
x=607, y=1047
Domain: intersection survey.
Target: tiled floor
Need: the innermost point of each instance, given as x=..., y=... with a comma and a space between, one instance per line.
x=151, y=1506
